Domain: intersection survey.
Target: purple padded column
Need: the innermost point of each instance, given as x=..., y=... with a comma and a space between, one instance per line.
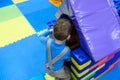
x=98, y=26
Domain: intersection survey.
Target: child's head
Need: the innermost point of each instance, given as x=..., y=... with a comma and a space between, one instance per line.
x=62, y=29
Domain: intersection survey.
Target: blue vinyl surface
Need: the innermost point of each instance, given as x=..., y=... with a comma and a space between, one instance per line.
x=38, y=19
x=112, y=75
x=4, y=3
x=22, y=60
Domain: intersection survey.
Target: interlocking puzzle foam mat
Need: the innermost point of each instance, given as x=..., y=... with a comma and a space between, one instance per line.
x=22, y=18
x=21, y=54
x=20, y=48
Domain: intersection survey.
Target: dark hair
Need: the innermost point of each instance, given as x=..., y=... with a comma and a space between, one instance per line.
x=62, y=29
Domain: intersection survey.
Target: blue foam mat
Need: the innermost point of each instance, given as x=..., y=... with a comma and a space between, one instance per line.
x=38, y=19
x=22, y=60
x=112, y=75
x=34, y=5
x=4, y=3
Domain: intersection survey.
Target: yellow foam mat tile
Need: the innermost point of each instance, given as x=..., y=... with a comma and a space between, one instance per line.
x=14, y=29
x=19, y=1
x=9, y=12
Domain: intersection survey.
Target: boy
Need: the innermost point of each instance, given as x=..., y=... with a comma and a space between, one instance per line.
x=57, y=51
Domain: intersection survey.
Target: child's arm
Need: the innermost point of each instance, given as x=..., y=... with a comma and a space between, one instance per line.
x=67, y=60
x=44, y=36
x=68, y=55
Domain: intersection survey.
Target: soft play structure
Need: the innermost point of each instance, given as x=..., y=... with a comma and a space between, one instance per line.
x=22, y=55
x=84, y=68
x=98, y=27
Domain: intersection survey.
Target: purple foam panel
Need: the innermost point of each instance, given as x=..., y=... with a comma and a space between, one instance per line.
x=97, y=25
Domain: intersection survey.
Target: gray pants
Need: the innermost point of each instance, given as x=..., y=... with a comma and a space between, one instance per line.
x=62, y=74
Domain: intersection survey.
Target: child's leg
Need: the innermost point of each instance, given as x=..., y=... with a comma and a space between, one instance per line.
x=63, y=79
x=57, y=79
x=63, y=74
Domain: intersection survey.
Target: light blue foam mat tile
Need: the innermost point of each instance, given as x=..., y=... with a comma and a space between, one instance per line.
x=4, y=3
x=33, y=5
x=40, y=18
x=22, y=60
x=112, y=75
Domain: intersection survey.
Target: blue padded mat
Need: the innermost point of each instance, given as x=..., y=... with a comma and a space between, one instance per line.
x=22, y=60
x=4, y=3
x=33, y=5
x=112, y=75
x=38, y=19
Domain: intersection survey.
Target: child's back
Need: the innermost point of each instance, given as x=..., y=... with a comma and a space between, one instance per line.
x=57, y=49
